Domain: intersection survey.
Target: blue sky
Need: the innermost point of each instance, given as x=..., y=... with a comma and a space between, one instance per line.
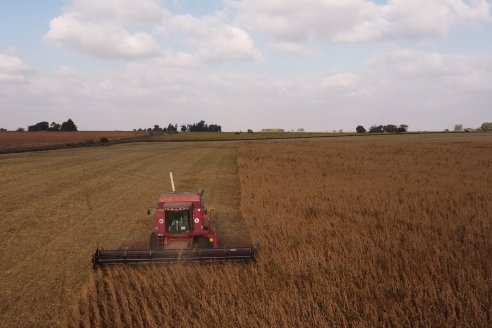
x=321, y=65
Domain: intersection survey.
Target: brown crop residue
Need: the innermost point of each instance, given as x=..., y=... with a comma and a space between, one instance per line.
x=366, y=232
x=54, y=138
x=58, y=206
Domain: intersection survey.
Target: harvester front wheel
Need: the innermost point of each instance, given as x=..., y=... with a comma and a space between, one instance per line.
x=153, y=241
x=203, y=242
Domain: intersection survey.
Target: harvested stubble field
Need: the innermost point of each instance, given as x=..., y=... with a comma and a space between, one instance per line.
x=222, y=136
x=351, y=232
x=16, y=139
x=57, y=206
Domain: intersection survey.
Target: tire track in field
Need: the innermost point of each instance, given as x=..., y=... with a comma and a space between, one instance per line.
x=220, y=179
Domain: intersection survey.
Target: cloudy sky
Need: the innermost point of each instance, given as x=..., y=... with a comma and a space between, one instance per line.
x=314, y=64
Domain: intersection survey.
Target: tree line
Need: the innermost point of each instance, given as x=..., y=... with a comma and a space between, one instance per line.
x=171, y=128
x=195, y=127
x=68, y=125
x=485, y=127
x=202, y=126
x=390, y=128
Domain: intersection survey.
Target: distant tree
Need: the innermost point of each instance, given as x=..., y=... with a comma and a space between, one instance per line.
x=157, y=128
x=69, y=125
x=172, y=128
x=54, y=127
x=486, y=126
x=250, y=131
x=214, y=128
x=458, y=127
x=3, y=130
x=360, y=129
x=376, y=129
x=41, y=126
x=402, y=128
x=300, y=130
x=149, y=130
x=204, y=127
x=198, y=127
x=446, y=130
x=184, y=128
x=20, y=130
x=390, y=128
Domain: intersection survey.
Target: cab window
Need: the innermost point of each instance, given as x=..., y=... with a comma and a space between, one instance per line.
x=178, y=221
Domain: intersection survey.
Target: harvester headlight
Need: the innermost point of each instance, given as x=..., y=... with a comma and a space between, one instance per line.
x=197, y=220
x=211, y=240
x=161, y=221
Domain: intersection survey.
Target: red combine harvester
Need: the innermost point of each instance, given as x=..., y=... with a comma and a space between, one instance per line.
x=182, y=221
x=183, y=232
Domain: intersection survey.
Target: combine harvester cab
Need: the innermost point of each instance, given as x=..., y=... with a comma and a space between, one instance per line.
x=183, y=232
x=181, y=221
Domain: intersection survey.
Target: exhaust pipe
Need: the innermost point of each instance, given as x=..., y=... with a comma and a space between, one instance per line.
x=172, y=181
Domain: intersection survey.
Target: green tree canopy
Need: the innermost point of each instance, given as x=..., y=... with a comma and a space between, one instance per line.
x=41, y=126
x=69, y=125
x=486, y=126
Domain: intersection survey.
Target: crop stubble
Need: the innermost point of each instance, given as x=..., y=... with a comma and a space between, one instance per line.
x=57, y=206
x=356, y=232
x=13, y=138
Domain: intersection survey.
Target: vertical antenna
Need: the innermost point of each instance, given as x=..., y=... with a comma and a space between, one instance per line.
x=172, y=181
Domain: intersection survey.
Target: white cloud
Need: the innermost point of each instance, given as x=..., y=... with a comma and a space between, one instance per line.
x=142, y=11
x=98, y=28
x=421, y=70
x=67, y=72
x=101, y=28
x=358, y=20
x=178, y=59
x=340, y=81
x=293, y=48
x=215, y=40
x=428, y=89
x=13, y=69
x=99, y=38
x=423, y=90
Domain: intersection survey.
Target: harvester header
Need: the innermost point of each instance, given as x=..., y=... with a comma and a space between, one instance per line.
x=183, y=232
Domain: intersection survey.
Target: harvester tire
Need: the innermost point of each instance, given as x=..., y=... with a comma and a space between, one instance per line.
x=203, y=242
x=153, y=241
